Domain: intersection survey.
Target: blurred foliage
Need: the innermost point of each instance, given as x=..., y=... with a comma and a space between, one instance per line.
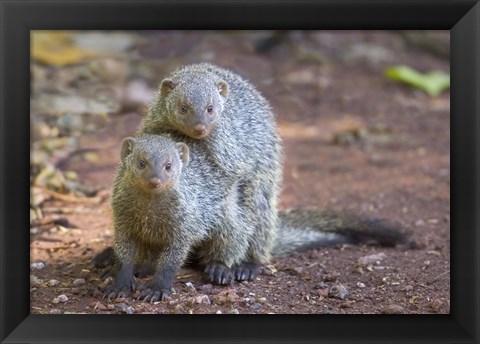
x=433, y=83
x=57, y=48
x=78, y=80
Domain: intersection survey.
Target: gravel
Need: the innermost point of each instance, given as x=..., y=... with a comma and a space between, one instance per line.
x=338, y=291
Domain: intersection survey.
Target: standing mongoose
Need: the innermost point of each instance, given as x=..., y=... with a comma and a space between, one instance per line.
x=169, y=202
x=233, y=125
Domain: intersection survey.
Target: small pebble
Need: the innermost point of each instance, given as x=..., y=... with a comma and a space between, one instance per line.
x=78, y=282
x=361, y=285
x=53, y=283
x=338, y=291
x=392, y=309
x=37, y=265
x=234, y=311
x=322, y=292
x=202, y=300
x=190, y=286
x=206, y=288
x=60, y=298
x=55, y=311
x=124, y=308
x=262, y=299
x=435, y=304
x=100, y=306
x=371, y=259
x=419, y=223
x=63, y=298
x=35, y=280
x=218, y=312
x=330, y=277
x=256, y=306
x=227, y=296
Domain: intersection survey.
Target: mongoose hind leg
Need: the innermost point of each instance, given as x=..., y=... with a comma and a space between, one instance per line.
x=104, y=259
x=222, y=252
x=260, y=207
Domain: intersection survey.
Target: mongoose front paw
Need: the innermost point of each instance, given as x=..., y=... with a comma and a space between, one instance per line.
x=116, y=290
x=219, y=273
x=153, y=293
x=246, y=271
x=121, y=287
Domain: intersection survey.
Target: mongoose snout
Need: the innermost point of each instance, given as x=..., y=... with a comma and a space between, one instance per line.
x=155, y=182
x=200, y=130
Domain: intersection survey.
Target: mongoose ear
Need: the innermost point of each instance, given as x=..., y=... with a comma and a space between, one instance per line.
x=127, y=147
x=184, y=152
x=166, y=87
x=223, y=88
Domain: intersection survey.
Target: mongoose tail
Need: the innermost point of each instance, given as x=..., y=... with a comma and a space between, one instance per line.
x=304, y=229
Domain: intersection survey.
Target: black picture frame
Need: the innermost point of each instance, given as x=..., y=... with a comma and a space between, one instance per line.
x=18, y=17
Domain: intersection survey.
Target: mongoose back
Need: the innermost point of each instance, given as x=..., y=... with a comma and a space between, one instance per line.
x=234, y=126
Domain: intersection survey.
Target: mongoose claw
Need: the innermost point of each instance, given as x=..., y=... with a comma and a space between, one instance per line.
x=219, y=273
x=120, y=288
x=153, y=294
x=246, y=271
x=113, y=292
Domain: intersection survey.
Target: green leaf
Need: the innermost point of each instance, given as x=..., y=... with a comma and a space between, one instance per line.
x=433, y=82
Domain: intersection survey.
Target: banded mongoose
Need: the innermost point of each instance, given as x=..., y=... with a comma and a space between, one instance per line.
x=234, y=126
x=169, y=202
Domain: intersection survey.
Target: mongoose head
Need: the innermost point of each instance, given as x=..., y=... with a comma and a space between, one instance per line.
x=152, y=162
x=194, y=102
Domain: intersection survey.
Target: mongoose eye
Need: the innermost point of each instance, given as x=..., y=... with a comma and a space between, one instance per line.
x=183, y=108
x=210, y=109
x=142, y=164
x=168, y=166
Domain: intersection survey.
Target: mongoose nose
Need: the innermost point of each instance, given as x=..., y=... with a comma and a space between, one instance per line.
x=154, y=182
x=199, y=129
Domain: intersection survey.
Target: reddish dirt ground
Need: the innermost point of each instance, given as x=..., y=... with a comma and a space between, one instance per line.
x=353, y=142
